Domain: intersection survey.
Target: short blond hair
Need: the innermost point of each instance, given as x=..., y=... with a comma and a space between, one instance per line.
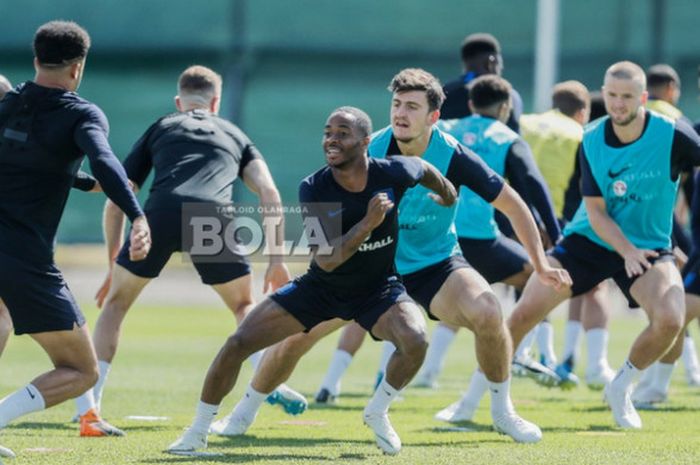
x=627, y=70
x=199, y=83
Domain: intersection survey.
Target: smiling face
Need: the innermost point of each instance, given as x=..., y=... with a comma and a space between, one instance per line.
x=411, y=117
x=343, y=142
x=623, y=99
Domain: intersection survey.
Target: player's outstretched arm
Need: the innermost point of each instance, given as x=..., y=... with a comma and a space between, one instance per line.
x=445, y=192
x=258, y=179
x=346, y=246
x=510, y=204
x=636, y=260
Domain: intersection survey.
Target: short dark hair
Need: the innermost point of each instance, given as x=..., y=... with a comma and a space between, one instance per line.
x=199, y=80
x=478, y=43
x=419, y=79
x=570, y=97
x=60, y=43
x=362, y=120
x=662, y=74
x=489, y=90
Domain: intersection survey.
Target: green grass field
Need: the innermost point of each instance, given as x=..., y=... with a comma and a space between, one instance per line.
x=165, y=352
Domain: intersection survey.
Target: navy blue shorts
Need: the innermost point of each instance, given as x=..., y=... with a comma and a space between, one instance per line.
x=166, y=234
x=589, y=264
x=312, y=302
x=494, y=259
x=37, y=297
x=422, y=285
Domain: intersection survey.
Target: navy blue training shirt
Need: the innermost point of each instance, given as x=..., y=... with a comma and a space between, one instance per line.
x=369, y=267
x=44, y=135
x=196, y=156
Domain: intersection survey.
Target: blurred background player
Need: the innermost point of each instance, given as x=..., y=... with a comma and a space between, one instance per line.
x=197, y=156
x=46, y=131
x=481, y=54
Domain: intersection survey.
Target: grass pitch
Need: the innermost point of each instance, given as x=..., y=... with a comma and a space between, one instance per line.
x=165, y=352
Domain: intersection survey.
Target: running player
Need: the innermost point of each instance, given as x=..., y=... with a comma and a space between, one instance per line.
x=358, y=281
x=196, y=156
x=46, y=129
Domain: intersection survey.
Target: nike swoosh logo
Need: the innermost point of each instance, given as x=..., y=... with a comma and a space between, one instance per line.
x=30, y=393
x=614, y=174
x=335, y=213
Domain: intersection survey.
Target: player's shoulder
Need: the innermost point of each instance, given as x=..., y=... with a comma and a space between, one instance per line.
x=315, y=179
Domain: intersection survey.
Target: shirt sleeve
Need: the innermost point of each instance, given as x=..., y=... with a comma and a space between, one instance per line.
x=526, y=179
x=408, y=171
x=250, y=153
x=84, y=182
x=469, y=170
x=91, y=136
x=589, y=186
x=685, y=150
x=139, y=162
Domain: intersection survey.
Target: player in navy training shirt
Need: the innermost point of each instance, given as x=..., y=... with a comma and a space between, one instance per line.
x=481, y=54
x=196, y=157
x=358, y=281
x=45, y=131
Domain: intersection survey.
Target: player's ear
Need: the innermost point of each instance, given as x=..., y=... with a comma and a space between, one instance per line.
x=214, y=104
x=178, y=103
x=434, y=116
x=645, y=97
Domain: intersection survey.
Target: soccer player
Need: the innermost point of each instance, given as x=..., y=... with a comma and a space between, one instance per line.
x=428, y=256
x=630, y=164
x=45, y=130
x=196, y=156
x=358, y=281
x=481, y=54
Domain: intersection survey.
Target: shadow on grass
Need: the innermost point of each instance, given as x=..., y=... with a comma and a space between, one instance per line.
x=253, y=441
x=339, y=407
x=44, y=425
x=460, y=427
x=238, y=458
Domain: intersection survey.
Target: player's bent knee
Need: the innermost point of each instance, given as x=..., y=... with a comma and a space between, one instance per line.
x=669, y=324
x=414, y=344
x=487, y=315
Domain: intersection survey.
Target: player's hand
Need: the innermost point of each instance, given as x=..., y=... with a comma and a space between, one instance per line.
x=103, y=290
x=555, y=277
x=447, y=197
x=378, y=206
x=140, y=239
x=276, y=276
x=636, y=261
